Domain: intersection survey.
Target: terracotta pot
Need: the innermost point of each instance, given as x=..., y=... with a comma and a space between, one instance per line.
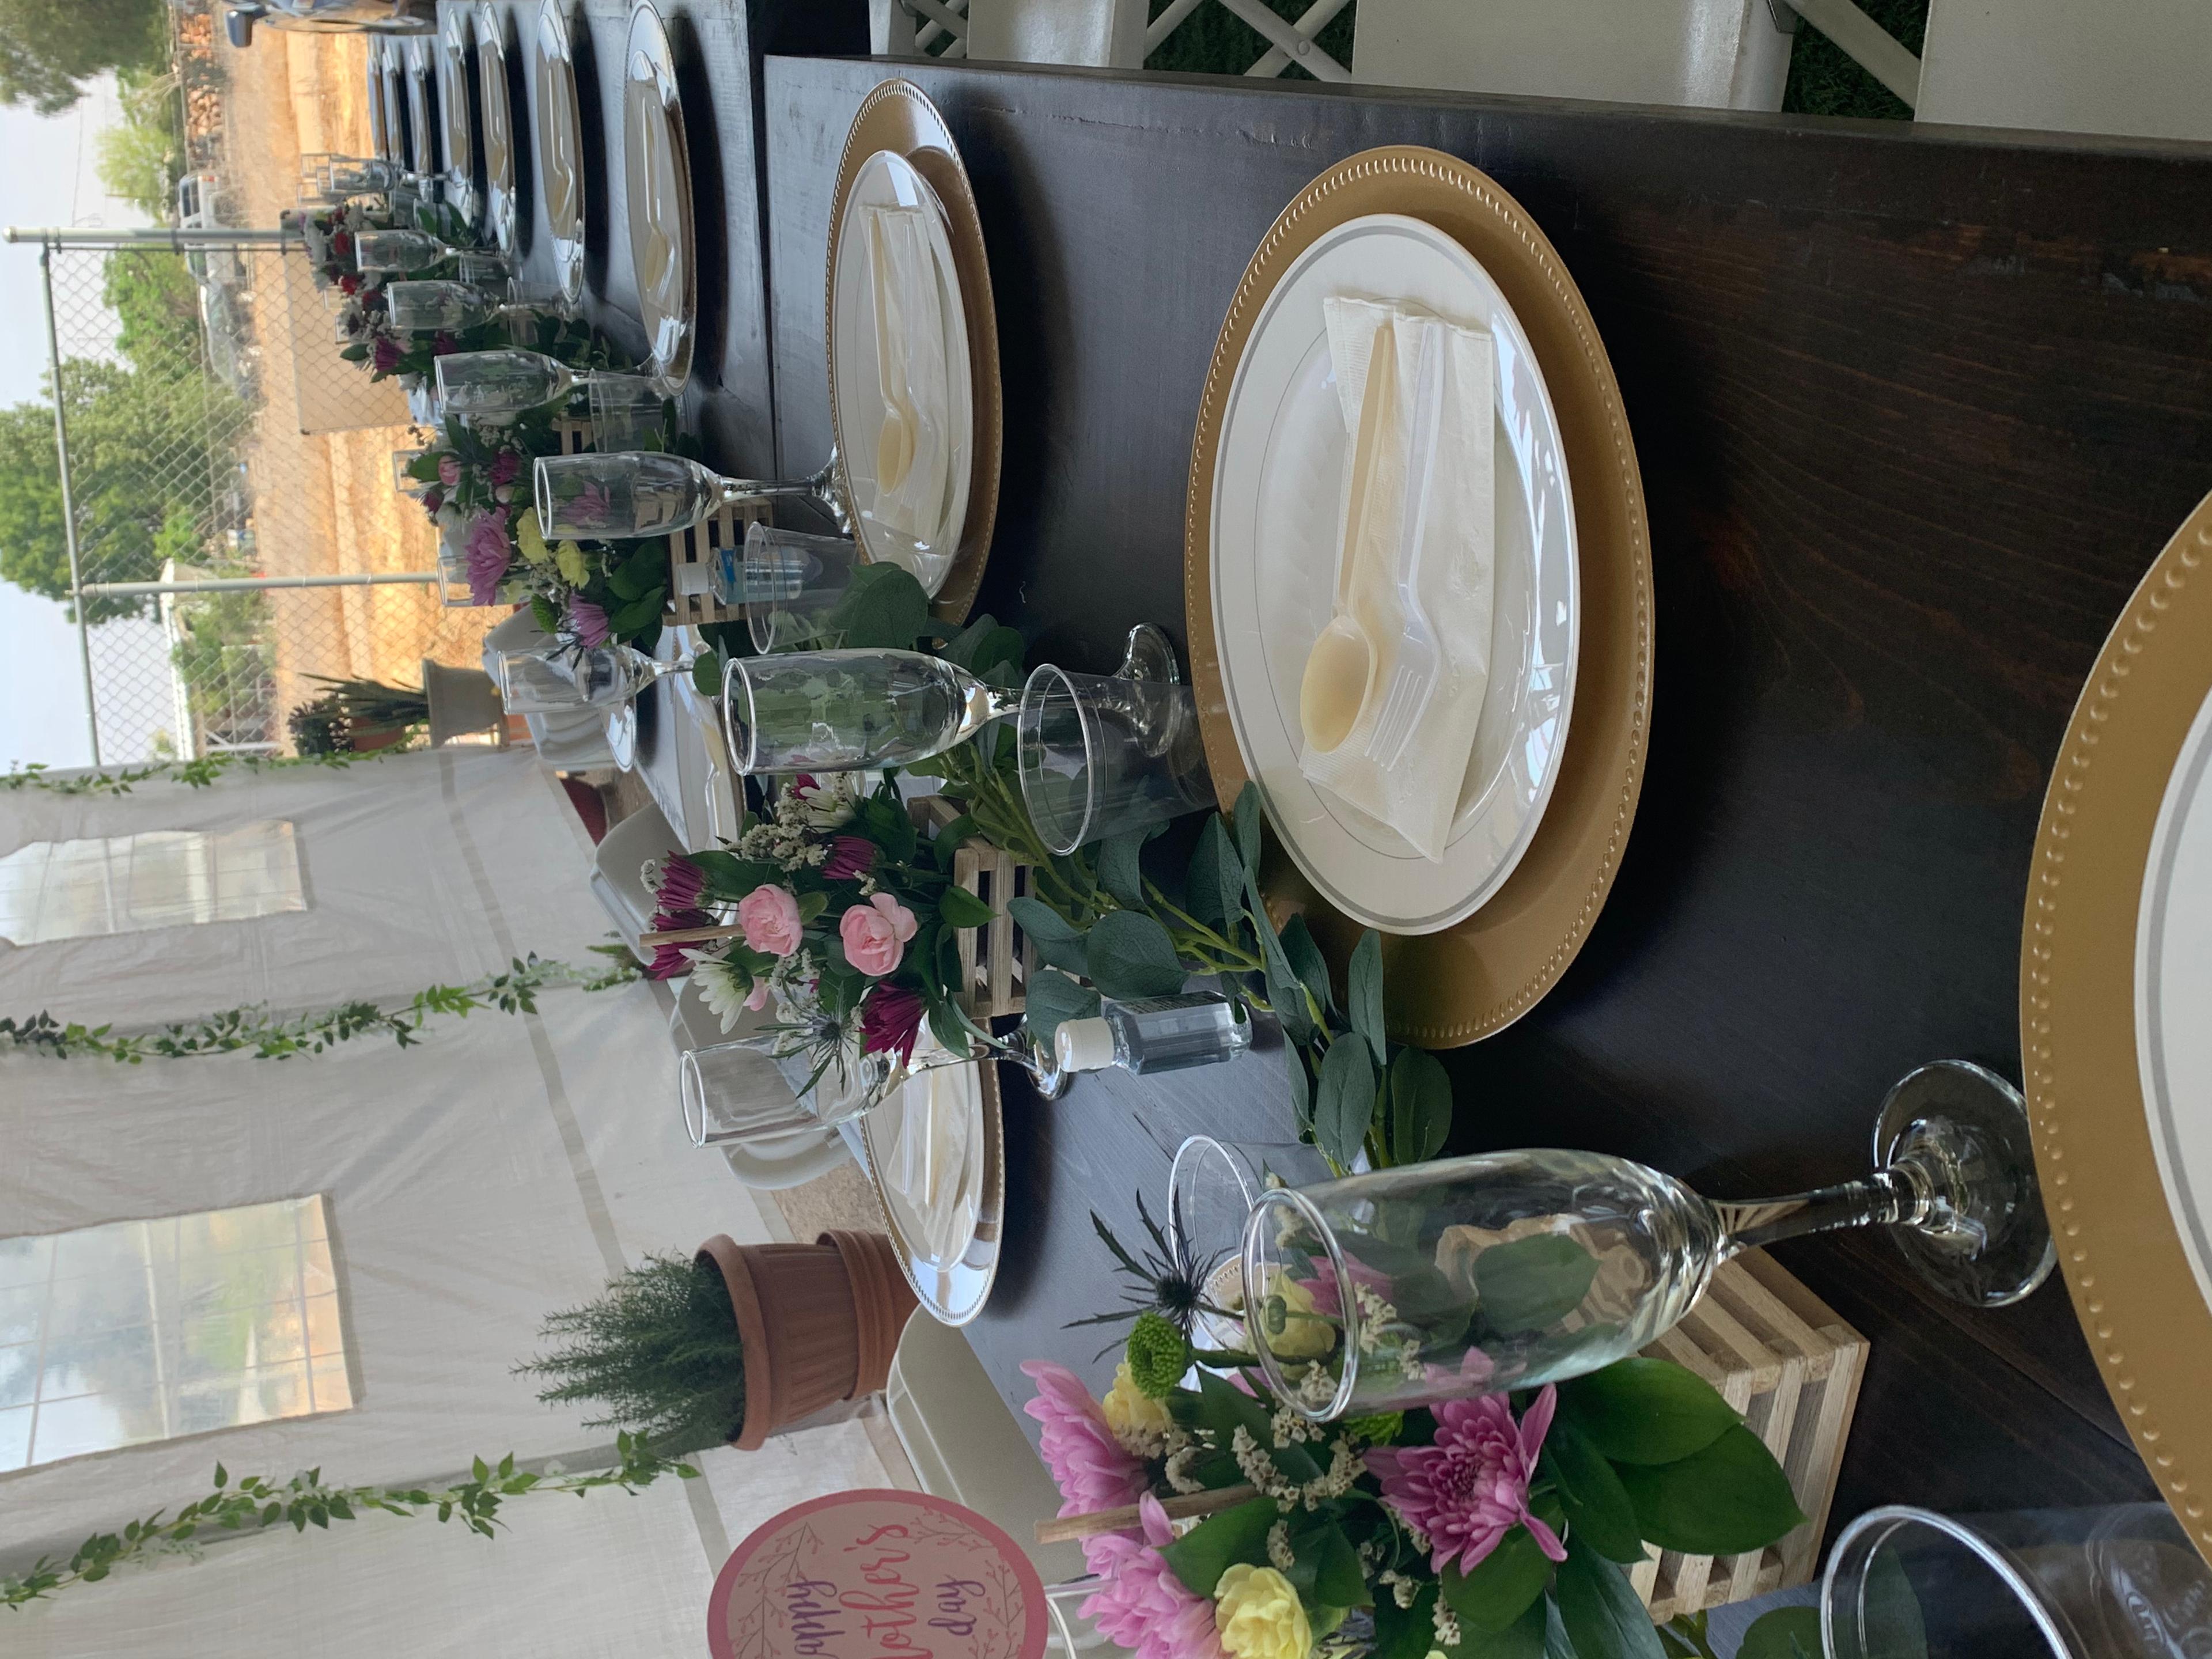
x=820, y=1322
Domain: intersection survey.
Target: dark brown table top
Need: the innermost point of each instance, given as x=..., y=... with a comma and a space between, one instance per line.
x=1915, y=410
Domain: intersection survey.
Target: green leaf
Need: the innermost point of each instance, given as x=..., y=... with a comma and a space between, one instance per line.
x=1345, y=1104
x=1521, y=1639
x=1056, y=941
x=1128, y=956
x=1533, y=1283
x=643, y=572
x=1420, y=1103
x=222, y=1477
x=1795, y=1633
x=1502, y=1586
x=1118, y=871
x=639, y=613
x=1053, y=997
x=1327, y=1572
x=1727, y=1500
x=1215, y=886
x=1305, y=960
x=962, y=908
x=479, y=1469
x=811, y=905
x=1603, y=1618
x=1647, y=1411
x=1363, y=994
x=1405, y=1633
x=1301, y=1085
x=884, y=609
x=1597, y=1505
x=706, y=673
x=1893, y=1611
x=1219, y=1542
x=1249, y=815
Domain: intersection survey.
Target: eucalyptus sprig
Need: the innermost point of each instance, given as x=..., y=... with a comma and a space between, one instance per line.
x=200, y=773
x=257, y=1503
x=255, y=1029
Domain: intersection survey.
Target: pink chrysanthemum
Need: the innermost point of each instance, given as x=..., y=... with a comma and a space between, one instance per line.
x=1092, y=1470
x=1471, y=1488
x=1144, y=1606
x=490, y=553
x=384, y=355
x=590, y=621
x=682, y=884
x=850, y=856
x=1323, y=1288
x=890, y=1020
x=669, y=960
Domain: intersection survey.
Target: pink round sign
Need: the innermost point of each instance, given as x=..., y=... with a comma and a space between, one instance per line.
x=878, y=1575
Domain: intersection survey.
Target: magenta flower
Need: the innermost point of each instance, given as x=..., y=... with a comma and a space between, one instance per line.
x=1144, y=1606
x=433, y=499
x=1092, y=1470
x=850, y=857
x=682, y=884
x=590, y=508
x=1470, y=1488
x=669, y=960
x=1323, y=1288
x=384, y=355
x=875, y=935
x=490, y=553
x=890, y=1020
x=505, y=467
x=589, y=620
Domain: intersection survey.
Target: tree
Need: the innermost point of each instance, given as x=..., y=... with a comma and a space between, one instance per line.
x=153, y=297
x=141, y=160
x=142, y=446
x=49, y=48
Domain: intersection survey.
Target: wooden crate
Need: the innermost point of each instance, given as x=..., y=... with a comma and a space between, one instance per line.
x=997, y=959
x=1782, y=1357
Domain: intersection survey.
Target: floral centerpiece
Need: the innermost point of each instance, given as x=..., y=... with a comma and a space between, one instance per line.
x=1495, y=1525
x=845, y=918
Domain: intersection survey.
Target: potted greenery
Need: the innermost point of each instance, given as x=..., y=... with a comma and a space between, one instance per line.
x=357, y=716
x=733, y=1344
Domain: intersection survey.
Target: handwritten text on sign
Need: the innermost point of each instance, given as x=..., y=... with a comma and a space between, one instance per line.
x=878, y=1575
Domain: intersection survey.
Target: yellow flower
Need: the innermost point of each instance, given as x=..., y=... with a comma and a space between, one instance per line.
x=569, y=558
x=1140, y=1422
x=1257, y=1615
x=530, y=539
x=1305, y=1335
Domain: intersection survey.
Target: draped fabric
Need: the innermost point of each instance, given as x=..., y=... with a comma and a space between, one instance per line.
x=502, y=1169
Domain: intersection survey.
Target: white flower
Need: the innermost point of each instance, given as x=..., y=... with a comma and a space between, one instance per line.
x=829, y=802
x=720, y=987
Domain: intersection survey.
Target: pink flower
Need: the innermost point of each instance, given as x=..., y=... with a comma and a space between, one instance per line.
x=1323, y=1289
x=1092, y=1470
x=769, y=916
x=443, y=345
x=682, y=884
x=506, y=466
x=342, y=243
x=449, y=469
x=756, y=999
x=875, y=935
x=490, y=553
x=890, y=1020
x=1144, y=1606
x=669, y=960
x=849, y=857
x=589, y=620
x=384, y=355
x=590, y=507
x=349, y=283
x=1471, y=1488
x=433, y=499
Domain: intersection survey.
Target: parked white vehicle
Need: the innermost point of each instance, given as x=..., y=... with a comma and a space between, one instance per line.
x=331, y=17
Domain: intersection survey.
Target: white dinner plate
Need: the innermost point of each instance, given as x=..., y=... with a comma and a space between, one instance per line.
x=458, y=133
x=421, y=139
x=657, y=181
x=951, y=1260
x=887, y=179
x=560, y=146
x=496, y=97
x=379, y=140
x=1277, y=478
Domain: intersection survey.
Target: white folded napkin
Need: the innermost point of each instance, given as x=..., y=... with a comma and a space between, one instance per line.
x=911, y=367
x=1418, y=795
x=938, y=1112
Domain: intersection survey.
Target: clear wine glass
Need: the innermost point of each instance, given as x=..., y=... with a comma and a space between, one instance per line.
x=375, y=251
x=446, y=308
x=848, y=711
x=1474, y=1275
x=507, y=381
x=546, y=679
x=627, y=497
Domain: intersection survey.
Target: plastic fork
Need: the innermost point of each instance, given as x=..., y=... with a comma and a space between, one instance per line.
x=1415, y=665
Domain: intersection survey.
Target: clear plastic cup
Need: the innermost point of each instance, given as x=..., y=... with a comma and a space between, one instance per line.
x=790, y=583
x=1100, y=755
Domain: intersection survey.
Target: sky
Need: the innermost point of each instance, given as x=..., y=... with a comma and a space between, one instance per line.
x=49, y=180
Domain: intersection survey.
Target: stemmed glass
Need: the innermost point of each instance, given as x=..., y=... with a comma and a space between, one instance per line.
x=502, y=384
x=546, y=679
x=629, y=496
x=447, y=307
x=1475, y=1275
x=849, y=711
x=377, y=250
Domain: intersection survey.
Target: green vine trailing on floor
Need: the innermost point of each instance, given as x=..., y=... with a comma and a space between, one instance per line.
x=268, y=1035
x=194, y=774
x=256, y=1504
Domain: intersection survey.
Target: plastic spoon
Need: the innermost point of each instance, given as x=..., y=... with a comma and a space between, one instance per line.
x=1341, y=666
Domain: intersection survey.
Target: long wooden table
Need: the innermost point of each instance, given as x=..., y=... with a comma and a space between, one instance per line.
x=1915, y=409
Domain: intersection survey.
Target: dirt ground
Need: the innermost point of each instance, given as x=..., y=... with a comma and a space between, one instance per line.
x=325, y=501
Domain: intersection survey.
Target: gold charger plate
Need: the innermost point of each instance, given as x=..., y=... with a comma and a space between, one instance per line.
x=953, y=1292
x=560, y=146
x=2119, y=1245
x=495, y=93
x=457, y=131
x=660, y=204
x=1478, y=976
x=898, y=116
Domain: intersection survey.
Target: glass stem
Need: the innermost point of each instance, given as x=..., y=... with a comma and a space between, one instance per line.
x=1901, y=1195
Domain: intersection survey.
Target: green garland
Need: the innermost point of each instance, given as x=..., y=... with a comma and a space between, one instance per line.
x=266, y=1035
x=256, y=1504
x=192, y=773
